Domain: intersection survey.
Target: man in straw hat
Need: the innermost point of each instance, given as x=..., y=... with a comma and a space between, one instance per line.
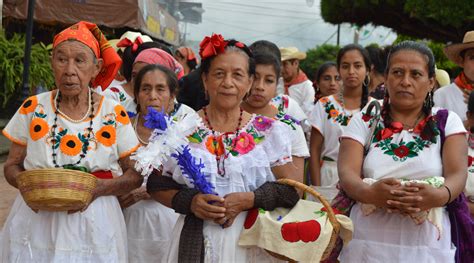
x=296, y=84
x=454, y=96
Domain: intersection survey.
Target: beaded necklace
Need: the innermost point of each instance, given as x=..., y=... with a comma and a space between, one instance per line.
x=86, y=143
x=220, y=159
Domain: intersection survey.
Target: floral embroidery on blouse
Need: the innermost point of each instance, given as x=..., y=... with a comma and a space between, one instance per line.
x=281, y=115
x=121, y=94
x=402, y=150
x=39, y=126
x=336, y=116
x=29, y=105
x=470, y=162
x=243, y=143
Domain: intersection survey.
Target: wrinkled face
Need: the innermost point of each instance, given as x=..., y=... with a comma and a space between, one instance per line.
x=74, y=67
x=352, y=69
x=407, y=80
x=264, y=86
x=228, y=79
x=330, y=82
x=289, y=69
x=468, y=64
x=154, y=92
x=136, y=68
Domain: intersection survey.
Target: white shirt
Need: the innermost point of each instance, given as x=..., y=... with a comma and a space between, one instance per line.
x=303, y=93
x=451, y=97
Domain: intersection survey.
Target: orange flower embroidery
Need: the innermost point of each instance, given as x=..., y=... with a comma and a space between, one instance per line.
x=121, y=115
x=38, y=128
x=215, y=143
x=333, y=113
x=106, y=135
x=70, y=145
x=29, y=105
x=324, y=99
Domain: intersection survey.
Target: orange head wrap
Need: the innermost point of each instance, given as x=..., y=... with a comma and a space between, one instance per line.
x=90, y=35
x=187, y=53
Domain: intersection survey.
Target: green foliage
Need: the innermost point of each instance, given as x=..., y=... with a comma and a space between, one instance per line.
x=442, y=62
x=11, y=66
x=440, y=20
x=317, y=56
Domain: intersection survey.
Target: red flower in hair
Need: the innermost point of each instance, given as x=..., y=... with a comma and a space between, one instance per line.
x=211, y=46
x=239, y=45
x=127, y=43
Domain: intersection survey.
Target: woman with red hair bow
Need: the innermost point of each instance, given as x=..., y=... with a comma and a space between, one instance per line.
x=242, y=154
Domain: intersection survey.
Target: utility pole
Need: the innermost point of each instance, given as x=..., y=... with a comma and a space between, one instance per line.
x=1, y=14
x=356, y=35
x=27, y=58
x=338, y=33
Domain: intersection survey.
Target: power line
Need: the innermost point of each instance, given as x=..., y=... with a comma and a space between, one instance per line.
x=260, y=14
x=264, y=7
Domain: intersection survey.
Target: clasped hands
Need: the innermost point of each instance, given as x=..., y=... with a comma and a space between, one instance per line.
x=406, y=199
x=221, y=210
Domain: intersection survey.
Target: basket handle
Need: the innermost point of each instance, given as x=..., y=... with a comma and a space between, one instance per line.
x=306, y=188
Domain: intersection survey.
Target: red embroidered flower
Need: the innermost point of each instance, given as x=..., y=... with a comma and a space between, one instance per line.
x=366, y=117
x=401, y=151
x=470, y=160
x=211, y=46
x=114, y=89
x=244, y=143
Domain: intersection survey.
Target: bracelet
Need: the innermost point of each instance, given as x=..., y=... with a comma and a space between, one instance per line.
x=449, y=198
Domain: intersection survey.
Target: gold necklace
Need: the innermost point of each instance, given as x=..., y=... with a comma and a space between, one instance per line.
x=135, y=123
x=69, y=118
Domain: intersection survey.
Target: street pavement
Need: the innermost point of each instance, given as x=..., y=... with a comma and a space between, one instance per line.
x=8, y=194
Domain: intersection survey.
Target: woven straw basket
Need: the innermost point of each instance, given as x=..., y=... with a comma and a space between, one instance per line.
x=56, y=189
x=330, y=214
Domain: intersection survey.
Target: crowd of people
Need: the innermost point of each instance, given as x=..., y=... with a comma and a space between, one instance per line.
x=379, y=132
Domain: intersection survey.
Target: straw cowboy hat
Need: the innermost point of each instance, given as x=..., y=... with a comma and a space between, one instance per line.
x=453, y=51
x=288, y=53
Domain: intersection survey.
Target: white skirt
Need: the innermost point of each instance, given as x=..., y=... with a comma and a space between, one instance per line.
x=95, y=235
x=220, y=244
x=384, y=237
x=329, y=176
x=149, y=227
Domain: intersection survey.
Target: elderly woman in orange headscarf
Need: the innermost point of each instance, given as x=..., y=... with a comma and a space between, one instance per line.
x=72, y=127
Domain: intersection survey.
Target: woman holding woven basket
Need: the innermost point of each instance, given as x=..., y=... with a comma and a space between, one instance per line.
x=241, y=154
x=72, y=127
x=414, y=167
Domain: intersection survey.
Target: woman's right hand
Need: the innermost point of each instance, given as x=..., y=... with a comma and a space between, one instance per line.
x=381, y=191
x=390, y=194
x=133, y=197
x=208, y=207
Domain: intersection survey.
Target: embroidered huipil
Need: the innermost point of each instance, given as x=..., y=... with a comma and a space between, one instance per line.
x=249, y=155
x=398, y=153
x=96, y=235
x=118, y=93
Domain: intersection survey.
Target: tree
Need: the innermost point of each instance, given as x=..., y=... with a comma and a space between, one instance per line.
x=317, y=56
x=439, y=20
x=442, y=62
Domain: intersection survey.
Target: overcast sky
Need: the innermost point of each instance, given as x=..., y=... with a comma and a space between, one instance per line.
x=286, y=23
